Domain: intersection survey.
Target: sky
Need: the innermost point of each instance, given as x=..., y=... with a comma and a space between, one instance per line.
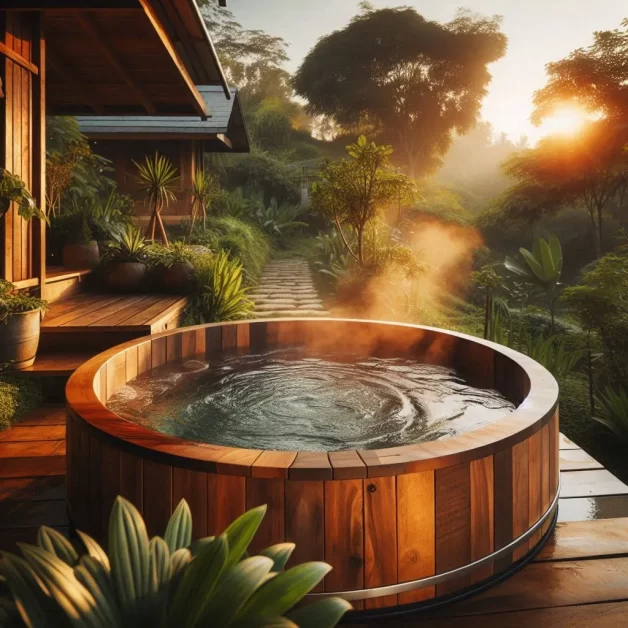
x=538, y=31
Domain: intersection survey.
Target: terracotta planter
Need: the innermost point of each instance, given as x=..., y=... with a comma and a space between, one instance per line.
x=19, y=339
x=79, y=256
x=126, y=276
x=176, y=278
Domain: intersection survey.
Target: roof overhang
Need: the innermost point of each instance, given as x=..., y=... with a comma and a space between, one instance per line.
x=223, y=131
x=136, y=57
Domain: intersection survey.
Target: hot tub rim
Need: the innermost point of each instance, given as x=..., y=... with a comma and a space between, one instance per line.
x=535, y=411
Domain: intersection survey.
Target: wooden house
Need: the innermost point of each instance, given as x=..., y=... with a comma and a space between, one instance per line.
x=183, y=139
x=89, y=58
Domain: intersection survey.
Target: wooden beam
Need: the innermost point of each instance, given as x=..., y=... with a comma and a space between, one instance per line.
x=225, y=140
x=199, y=103
x=39, y=155
x=92, y=30
x=64, y=70
x=19, y=59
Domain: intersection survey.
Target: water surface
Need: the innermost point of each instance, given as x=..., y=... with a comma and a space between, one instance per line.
x=289, y=400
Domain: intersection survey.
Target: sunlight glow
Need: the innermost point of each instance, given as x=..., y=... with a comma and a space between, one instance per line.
x=564, y=121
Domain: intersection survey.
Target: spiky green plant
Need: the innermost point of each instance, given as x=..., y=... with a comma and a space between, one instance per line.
x=157, y=178
x=128, y=246
x=204, y=190
x=541, y=267
x=220, y=294
x=613, y=406
x=161, y=582
x=12, y=302
x=553, y=355
x=277, y=219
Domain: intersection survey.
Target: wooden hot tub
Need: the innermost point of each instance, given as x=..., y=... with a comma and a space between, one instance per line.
x=399, y=526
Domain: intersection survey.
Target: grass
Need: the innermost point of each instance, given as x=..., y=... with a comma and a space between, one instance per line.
x=18, y=395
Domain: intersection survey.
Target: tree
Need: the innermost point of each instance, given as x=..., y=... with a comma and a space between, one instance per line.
x=562, y=171
x=205, y=190
x=541, y=267
x=353, y=191
x=392, y=70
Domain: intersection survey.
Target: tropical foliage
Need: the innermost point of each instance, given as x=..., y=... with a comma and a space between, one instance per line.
x=13, y=302
x=14, y=190
x=161, y=581
x=129, y=246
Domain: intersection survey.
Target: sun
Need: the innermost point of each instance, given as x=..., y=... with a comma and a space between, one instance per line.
x=564, y=121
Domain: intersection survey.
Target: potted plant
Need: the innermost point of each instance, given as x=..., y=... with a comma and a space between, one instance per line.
x=80, y=249
x=125, y=261
x=157, y=178
x=20, y=318
x=175, y=269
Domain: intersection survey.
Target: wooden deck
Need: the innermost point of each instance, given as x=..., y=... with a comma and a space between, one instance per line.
x=77, y=328
x=580, y=578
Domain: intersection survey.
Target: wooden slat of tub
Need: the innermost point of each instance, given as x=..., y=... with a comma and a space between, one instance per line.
x=173, y=347
x=476, y=362
x=520, y=494
x=482, y=514
x=416, y=553
x=554, y=455
x=380, y=537
x=346, y=465
x=213, y=339
x=158, y=351
x=131, y=363
x=452, y=495
x=131, y=479
x=535, y=479
x=109, y=482
x=305, y=521
x=273, y=464
x=110, y=379
x=272, y=493
x=188, y=344
x=243, y=334
x=311, y=465
x=344, y=535
x=192, y=486
x=545, y=474
x=226, y=501
x=258, y=334
x=119, y=365
x=95, y=488
x=272, y=333
x=157, y=496
x=82, y=512
x=229, y=336
x=144, y=357
x=200, y=341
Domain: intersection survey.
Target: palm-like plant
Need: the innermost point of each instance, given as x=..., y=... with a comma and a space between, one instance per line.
x=553, y=355
x=204, y=190
x=278, y=219
x=220, y=295
x=161, y=582
x=128, y=246
x=614, y=411
x=541, y=267
x=157, y=178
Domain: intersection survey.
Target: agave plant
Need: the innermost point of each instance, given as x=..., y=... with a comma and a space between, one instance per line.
x=162, y=582
x=112, y=217
x=541, y=267
x=553, y=355
x=278, y=219
x=157, y=178
x=614, y=411
x=128, y=246
x=204, y=190
x=220, y=294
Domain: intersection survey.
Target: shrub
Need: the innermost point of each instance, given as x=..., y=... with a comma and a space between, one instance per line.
x=218, y=294
x=613, y=415
x=552, y=354
x=162, y=582
x=18, y=395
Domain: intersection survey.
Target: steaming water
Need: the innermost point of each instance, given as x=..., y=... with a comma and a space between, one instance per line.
x=287, y=400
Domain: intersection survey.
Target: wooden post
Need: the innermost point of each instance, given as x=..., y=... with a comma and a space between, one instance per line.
x=39, y=152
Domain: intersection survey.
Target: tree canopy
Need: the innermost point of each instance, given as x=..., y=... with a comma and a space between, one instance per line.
x=393, y=72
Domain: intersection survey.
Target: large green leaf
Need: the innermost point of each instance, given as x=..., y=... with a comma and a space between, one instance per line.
x=160, y=567
x=128, y=553
x=265, y=622
x=94, y=549
x=280, y=554
x=323, y=614
x=179, y=529
x=241, y=532
x=92, y=574
x=517, y=267
x=198, y=581
x=282, y=592
x=237, y=584
x=535, y=267
x=54, y=542
x=557, y=253
x=547, y=261
x=73, y=598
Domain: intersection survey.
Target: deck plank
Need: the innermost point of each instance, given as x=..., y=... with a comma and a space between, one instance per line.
x=68, y=311
x=94, y=316
x=51, y=414
x=32, y=489
x=590, y=484
x=120, y=317
x=154, y=311
x=57, y=364
x=592, y=508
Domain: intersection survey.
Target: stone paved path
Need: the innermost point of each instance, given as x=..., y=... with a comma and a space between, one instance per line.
x=286, y=288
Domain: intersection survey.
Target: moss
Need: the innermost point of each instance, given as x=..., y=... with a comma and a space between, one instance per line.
x=18, y=395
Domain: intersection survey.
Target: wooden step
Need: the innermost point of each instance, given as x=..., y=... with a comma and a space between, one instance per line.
x=57, y=364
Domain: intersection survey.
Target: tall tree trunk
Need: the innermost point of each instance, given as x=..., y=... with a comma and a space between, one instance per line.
x=595, y=234
x=361, y=246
